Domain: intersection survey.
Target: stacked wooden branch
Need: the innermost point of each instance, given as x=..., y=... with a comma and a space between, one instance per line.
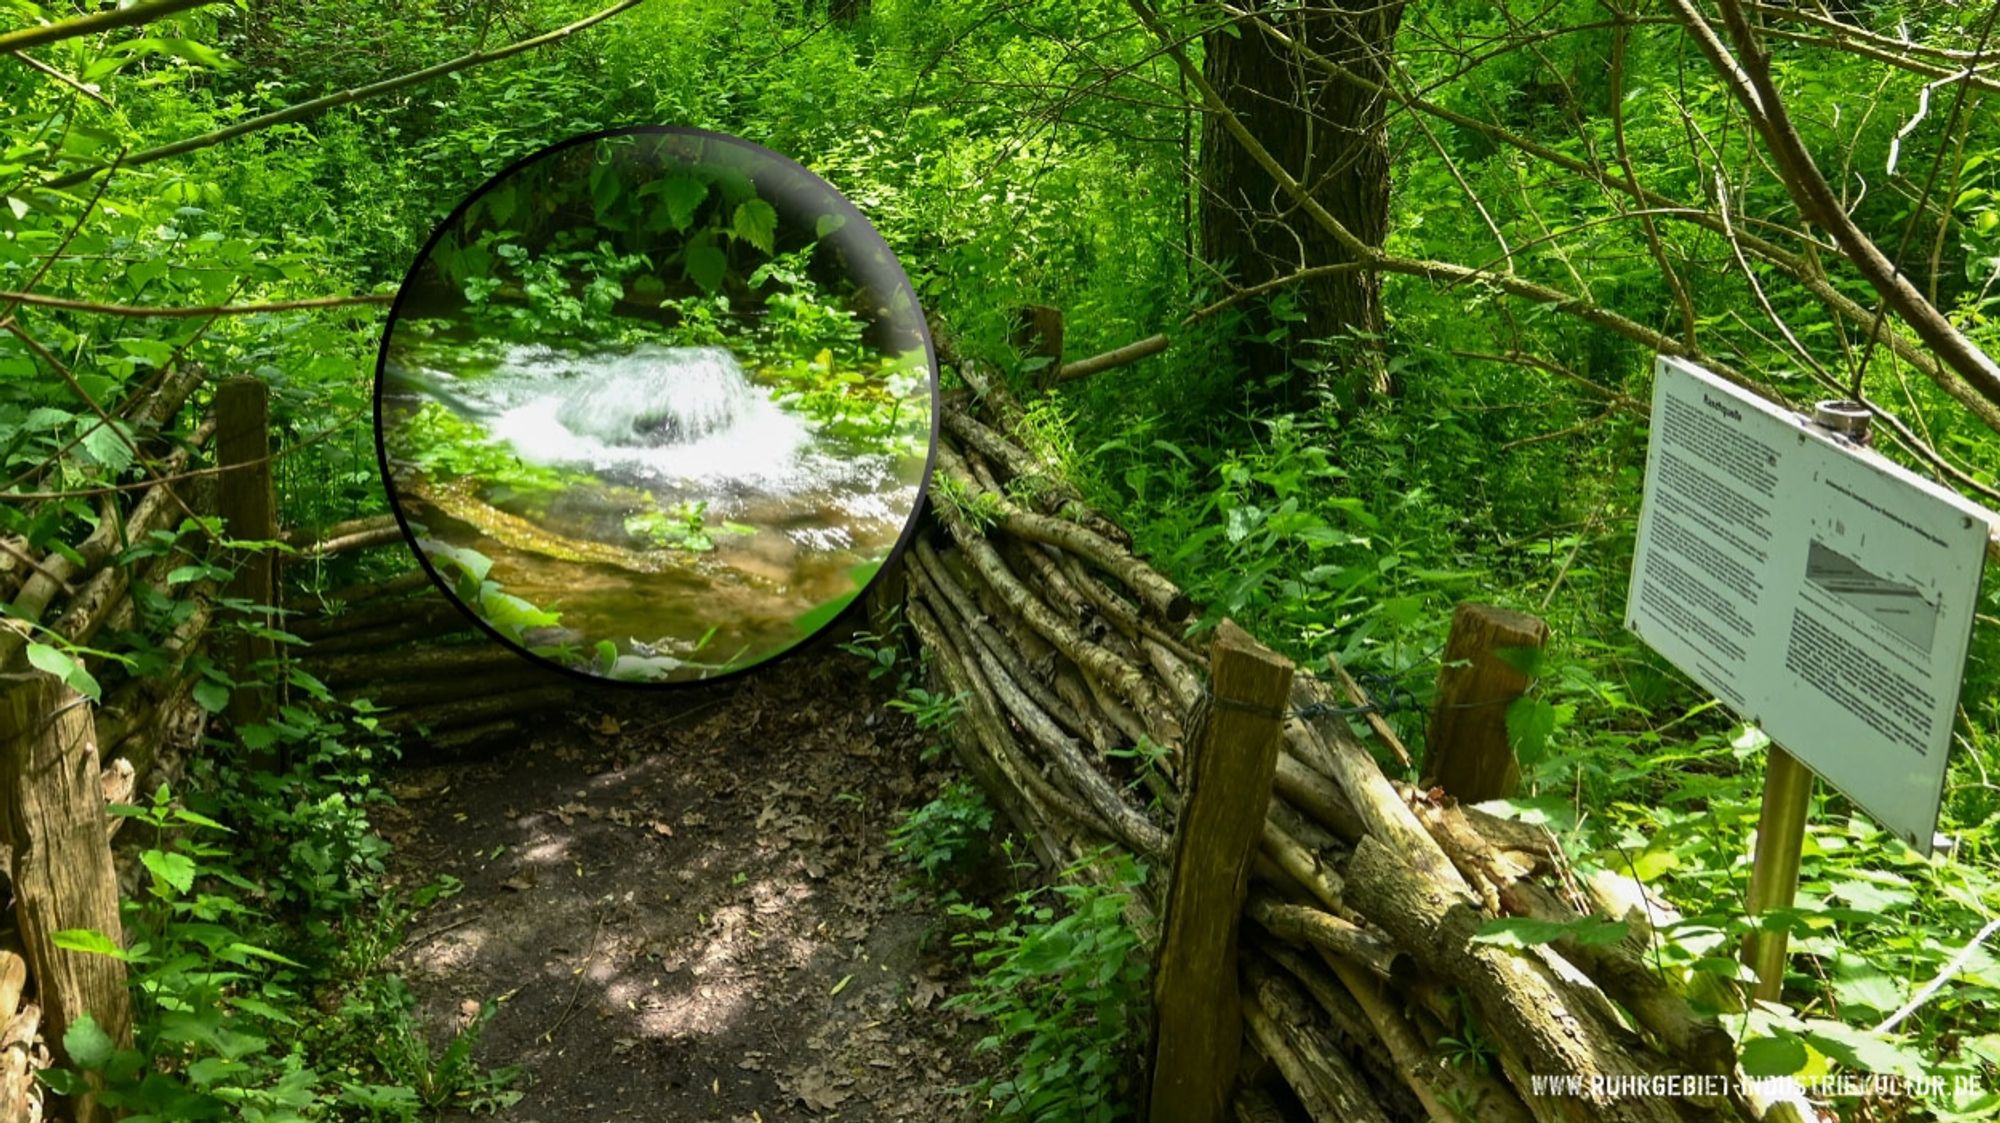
x=449, y=690
x=1365, y=987
x=81, y=592
x=22, y=1051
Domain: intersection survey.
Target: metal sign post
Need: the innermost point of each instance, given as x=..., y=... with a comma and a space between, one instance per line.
x=1774, y=869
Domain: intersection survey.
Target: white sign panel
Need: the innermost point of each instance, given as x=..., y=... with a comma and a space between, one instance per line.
x=1819, y=590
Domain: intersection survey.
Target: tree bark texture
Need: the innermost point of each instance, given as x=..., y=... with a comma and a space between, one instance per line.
x=1330, y=135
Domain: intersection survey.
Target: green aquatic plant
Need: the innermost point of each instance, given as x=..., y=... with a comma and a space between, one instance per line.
x=445, y=446
x=685, y=527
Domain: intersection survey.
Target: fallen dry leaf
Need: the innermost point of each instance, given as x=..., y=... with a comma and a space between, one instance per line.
x=923, y=992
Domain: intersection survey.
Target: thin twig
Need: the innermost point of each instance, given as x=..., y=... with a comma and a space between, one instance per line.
x=577, y=991
x=79, y=86
x=1956, y=965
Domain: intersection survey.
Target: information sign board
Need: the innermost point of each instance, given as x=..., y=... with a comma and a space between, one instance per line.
x=1817, y=589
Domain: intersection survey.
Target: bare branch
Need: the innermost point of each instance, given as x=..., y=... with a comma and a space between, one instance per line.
x=144, y=310
x=108, y=20
x=346, y=97
x=1748, y=74
x=84, y=88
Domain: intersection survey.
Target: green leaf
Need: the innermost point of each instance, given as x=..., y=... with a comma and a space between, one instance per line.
x=756, y=222
x=682, y=194
x=176, y=870
x=255, y=952
x=57, y=662
x=257, y=737
x=189, y=49
x=108, y=446
x=43, y=418
x=1865, y=1050
x=1523, y=931
x=88, y=941
x=211, y=696
x=827, y=224
x=1773, y=1056
x=474, y=564
x=1530, y=721
x=88, y=1046
x=705, y=266
x=152, y=351
x=198, y=819
x=1527, y=660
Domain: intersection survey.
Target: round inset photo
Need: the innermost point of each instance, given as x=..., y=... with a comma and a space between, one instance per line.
x=654, y=405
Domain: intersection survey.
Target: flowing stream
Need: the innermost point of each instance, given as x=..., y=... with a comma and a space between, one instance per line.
x=791, y=513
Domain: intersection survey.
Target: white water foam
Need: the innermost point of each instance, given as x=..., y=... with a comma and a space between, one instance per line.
x=655, y=415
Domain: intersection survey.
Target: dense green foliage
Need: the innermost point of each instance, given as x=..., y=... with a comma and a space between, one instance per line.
x=1013, y=154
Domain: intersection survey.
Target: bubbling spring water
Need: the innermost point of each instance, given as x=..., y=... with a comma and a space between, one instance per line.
x=685, y=423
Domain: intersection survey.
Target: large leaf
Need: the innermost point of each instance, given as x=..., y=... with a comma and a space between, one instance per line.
x=705, y=266
x=681, y=195
x=757, y=223
x=109, y=446
x=1530, y=722
x=1773, y=1056
x=176, y=870
x=89, y=941
x=211, y=696
x=58, y=662
x=88, y=1046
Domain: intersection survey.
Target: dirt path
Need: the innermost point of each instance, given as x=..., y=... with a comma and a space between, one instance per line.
x=687, y=902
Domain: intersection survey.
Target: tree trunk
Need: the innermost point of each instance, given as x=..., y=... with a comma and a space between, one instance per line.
x=1330, y=135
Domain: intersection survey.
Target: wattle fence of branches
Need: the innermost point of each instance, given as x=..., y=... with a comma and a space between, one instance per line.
x=114, y=651
x=1350, y=948
x=1336, y=909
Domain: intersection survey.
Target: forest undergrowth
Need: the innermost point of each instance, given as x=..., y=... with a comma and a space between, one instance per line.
x=1014, y=155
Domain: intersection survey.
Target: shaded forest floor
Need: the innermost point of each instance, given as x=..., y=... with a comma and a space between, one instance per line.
x=686, y=904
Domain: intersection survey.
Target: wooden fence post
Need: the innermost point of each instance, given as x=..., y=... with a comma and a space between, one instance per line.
x=1197, y=1008
x=1466, y=752
x=248, y=509
x=1038, y=332
x=52, y=809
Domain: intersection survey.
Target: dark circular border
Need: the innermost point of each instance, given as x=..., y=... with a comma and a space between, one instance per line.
x=842, y=206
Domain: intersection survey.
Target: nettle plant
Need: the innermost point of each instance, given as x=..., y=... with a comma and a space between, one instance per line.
x=1063, y=983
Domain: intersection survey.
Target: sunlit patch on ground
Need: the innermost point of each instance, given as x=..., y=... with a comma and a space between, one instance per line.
x=696, y=917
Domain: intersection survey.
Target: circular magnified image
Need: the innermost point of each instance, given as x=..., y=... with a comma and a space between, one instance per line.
x=655, y=405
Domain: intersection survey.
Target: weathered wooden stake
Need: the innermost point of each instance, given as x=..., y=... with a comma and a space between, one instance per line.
x=1197, y=1009
x=52, y=810
x=1774, y=868
x=1038, y=332
x=249, y=513
x=1466, y=751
